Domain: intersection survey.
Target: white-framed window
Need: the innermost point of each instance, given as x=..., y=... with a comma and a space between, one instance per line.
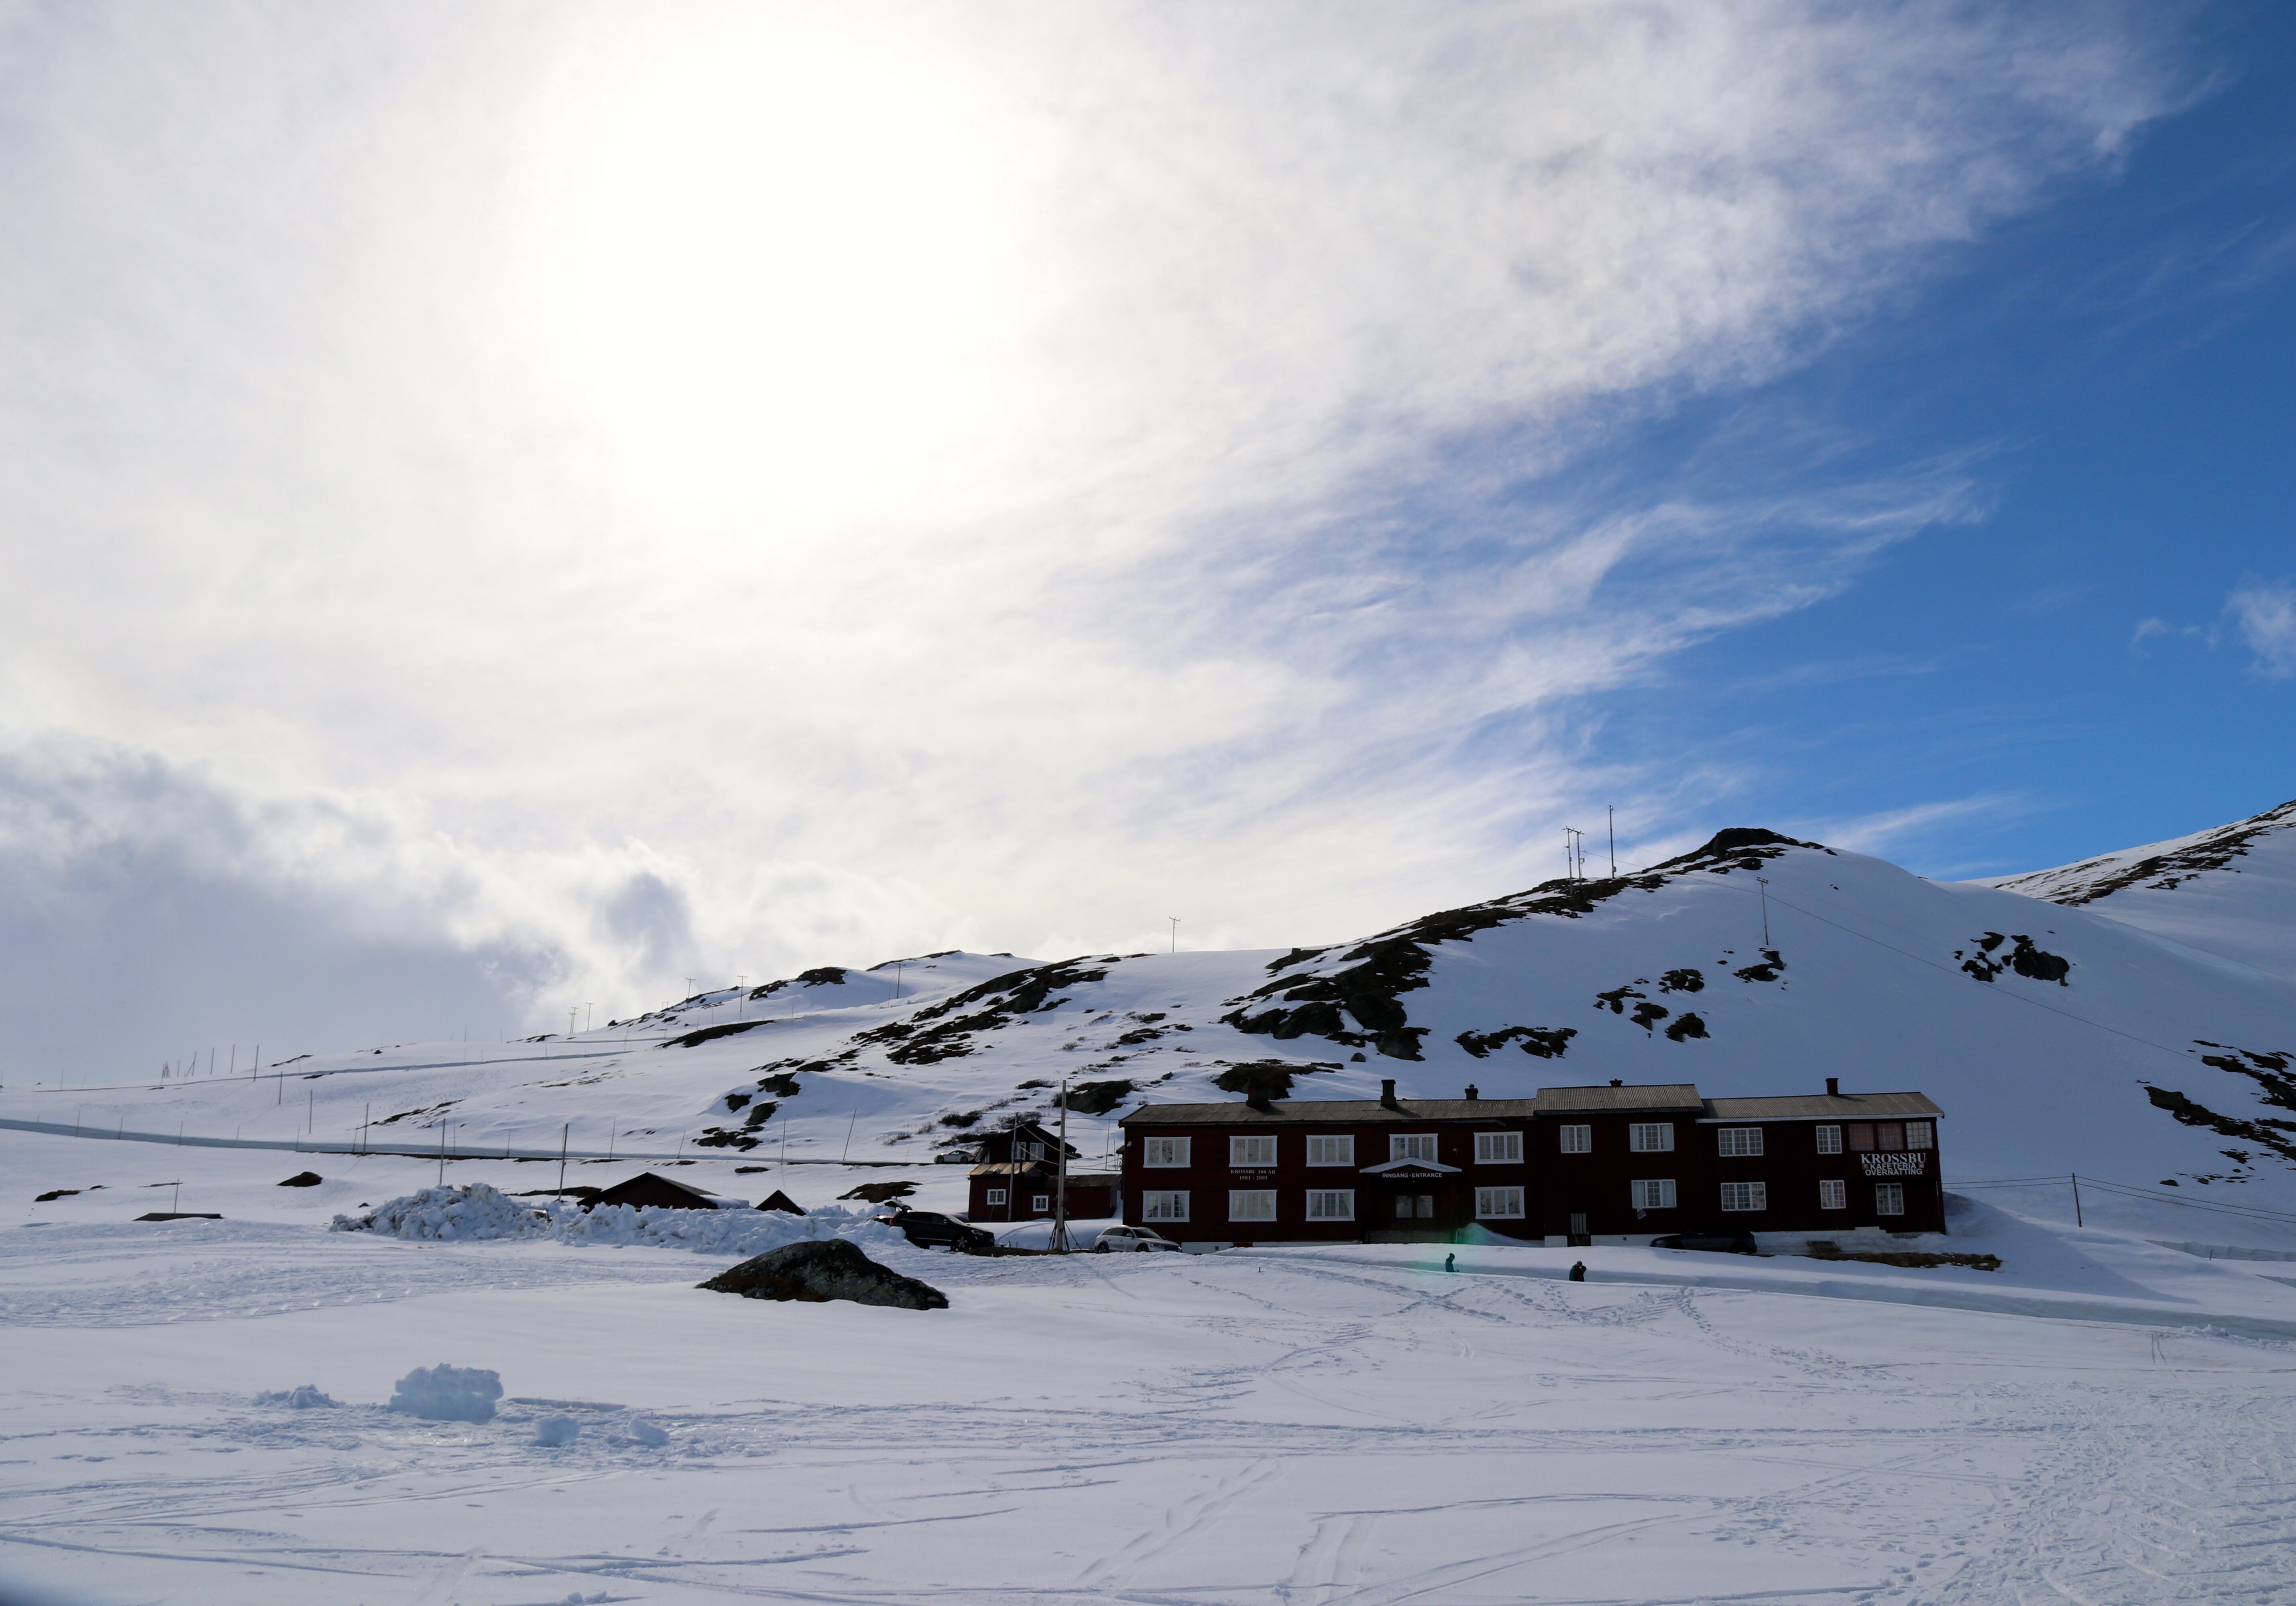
x=1651, y=1137
x=1330, y=1203
x=1332, y=1151
x=1498, y=1203
x=1411, y=1146
x=1829, y=1140
x=1655, y=1193
x=1164, y=1206
x=1028, y=1151
x=1920, y=1134
x=1252, y=1152
x=1889, y=1198
x=1166, y=1152
x=1498, y=1149
x=1745, y=1196
x=1738, y=1142
x=1038, y=1203
x=997, y=1196
x=1577, y=1140
x=1834, y=1195
x=1252, y=1204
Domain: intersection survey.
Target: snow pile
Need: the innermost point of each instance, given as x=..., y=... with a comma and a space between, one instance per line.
x=646, y=1433
x=461, y=1212
x=477, y=1210
x=304, y=1397
x=556, y=1429
x=449, y=1394
x=716, y=1231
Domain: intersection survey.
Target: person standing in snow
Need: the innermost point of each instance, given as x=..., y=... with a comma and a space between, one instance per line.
x=1450, y=1263
x=1577, y=1271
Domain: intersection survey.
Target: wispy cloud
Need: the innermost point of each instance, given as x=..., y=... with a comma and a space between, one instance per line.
x=1004, y=469
x=2265, y=614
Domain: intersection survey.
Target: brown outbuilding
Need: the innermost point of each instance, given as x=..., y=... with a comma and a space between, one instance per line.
x=649, y=1191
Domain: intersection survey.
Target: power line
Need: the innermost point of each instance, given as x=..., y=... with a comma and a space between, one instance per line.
x=2183, y=1055
x=2254, y=1211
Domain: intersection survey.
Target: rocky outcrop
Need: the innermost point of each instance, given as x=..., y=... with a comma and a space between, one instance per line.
x=817, y=1271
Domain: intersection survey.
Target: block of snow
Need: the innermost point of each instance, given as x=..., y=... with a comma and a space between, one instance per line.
x=449, y=1394
x=556, y=1428
x=647, y=1433
x=304, y=1396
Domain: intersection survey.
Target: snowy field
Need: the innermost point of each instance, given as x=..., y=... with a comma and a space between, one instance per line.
x=1337, y=1424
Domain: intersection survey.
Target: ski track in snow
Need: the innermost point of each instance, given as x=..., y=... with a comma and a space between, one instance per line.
x=1150, y=1429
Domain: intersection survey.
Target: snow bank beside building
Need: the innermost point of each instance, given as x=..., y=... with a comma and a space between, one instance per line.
x=479, y=1212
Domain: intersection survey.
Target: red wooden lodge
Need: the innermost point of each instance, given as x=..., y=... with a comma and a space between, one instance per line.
x=1575, y=1164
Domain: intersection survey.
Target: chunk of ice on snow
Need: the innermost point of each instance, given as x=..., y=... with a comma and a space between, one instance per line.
x=449, y=1394
x=304, y=1396
x=557, y=1428
x=647, y=1433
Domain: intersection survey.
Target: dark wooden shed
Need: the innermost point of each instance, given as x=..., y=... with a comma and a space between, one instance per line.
x=649, y=1191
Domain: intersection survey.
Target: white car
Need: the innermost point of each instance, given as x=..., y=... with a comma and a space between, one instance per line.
x=1112, y=1239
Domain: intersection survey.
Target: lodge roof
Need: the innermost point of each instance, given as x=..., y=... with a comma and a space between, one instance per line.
x=1634, y=1099
x=1822, y=1106
x=1617, y=1100
x=1333, y=1112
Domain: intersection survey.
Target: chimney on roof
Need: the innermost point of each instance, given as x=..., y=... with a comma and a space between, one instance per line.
x=1833, y=1087
x=1616, y=1083
x=1386, y=1093
x=1472, y=1094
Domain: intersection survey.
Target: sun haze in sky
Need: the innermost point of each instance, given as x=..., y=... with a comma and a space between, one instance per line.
x=512, y=505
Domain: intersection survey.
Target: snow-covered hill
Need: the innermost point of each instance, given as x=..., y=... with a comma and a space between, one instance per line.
x=2058, y=1036
x=2230, y=891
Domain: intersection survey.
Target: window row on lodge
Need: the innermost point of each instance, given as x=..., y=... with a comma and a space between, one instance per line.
x=1493, y=1204
x=1572, y=1164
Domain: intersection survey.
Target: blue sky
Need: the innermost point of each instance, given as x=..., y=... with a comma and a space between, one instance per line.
x=2116, y=373
x=517, y=504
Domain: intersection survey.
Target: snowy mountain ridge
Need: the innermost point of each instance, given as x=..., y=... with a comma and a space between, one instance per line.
x=2090, y=1036
x=2229, y=891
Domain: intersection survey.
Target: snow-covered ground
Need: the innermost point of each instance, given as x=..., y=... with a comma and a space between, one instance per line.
x=1339, y=1425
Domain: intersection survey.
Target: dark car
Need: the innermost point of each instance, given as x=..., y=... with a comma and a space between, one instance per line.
x=1723, y=1240
x=930, y=1229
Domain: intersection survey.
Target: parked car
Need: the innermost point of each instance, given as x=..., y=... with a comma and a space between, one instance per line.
x=1722, y=1239
x=1113, y=1238
x=930, y=1230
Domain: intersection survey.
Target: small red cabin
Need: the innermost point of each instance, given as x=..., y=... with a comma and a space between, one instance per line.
x=1018, y=1179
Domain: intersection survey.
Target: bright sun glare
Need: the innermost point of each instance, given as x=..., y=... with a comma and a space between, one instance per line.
x=783, y=265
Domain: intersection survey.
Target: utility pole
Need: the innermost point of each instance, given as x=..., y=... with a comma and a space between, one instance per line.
x=562, y=1154
x=442, y=1151
x=1764, y=883
x=742, y=994
x=1175, y=919
x=1611, y=818
x=1061, y=1179
x=2077, y=1222
x=254, y=1069
x=897, y=979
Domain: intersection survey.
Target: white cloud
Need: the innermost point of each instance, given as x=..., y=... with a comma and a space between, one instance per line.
x=1039, y=467
x=2266, y=616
